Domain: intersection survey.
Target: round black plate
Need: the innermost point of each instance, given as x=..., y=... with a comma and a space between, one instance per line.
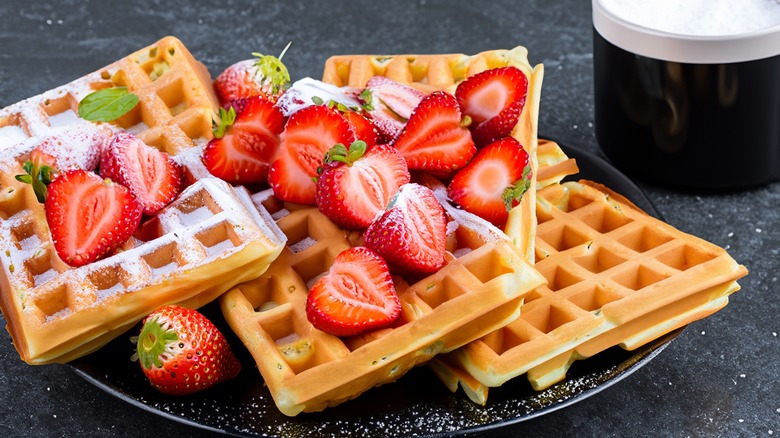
x=417, y=404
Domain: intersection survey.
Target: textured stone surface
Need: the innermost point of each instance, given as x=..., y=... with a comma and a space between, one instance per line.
x=719, y=377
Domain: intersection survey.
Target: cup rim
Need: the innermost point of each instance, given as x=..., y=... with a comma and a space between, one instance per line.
x=676, y=47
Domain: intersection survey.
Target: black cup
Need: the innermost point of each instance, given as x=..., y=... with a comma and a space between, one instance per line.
x=695, y=112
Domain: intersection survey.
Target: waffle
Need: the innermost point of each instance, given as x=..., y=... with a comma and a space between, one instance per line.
x=480, y=288
x=205, y=242
x=615, y=276
x=428, y=73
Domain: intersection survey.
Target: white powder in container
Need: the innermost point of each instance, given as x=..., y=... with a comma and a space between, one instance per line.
x=699, y=17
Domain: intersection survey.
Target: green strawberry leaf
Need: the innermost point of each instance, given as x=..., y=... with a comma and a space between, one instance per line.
x=272, y=70
x=107, y=105
x=38, y=177
x=226, y=119
x=518, y=189
x=152, y=342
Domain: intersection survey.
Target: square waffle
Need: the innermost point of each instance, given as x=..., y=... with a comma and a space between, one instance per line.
x=480, y=288
x=206, y=241
x=615, y=275
x=428, y=73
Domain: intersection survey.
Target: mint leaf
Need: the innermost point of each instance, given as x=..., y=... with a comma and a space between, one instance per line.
x=107, y=105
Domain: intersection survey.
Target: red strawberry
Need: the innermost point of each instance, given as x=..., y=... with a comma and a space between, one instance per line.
x=88, y=216
x=435, y=138
x=363, y=127
x=150, y=174
x=355, y=295
x=494, y=100
x=390, y=104
x=493, y=182
x=182, y=352
x=264, y=76
x=356, y=184
x=245, y=141
x=410, y=234
x=308, y=134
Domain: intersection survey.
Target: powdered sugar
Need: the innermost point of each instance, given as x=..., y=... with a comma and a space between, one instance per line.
x=699, y=17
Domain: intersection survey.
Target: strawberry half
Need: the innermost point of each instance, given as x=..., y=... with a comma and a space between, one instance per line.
x=494, y=100
x=245, y=141
x=436, y=138
x=363, y=127
x=411, y=233
x=88, y=216
x=356, y=184
x=493, y=182
x=150, y=174
x=264, y=76
x=308, y=134
x=355, y=295
x=389, y=104
x=182, y=352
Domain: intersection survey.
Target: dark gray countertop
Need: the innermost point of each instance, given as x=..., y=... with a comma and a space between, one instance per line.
x=718, y=378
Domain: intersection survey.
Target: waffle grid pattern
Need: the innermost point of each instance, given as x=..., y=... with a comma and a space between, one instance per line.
x=480, y=289
x=55, y=312
x=612, y=273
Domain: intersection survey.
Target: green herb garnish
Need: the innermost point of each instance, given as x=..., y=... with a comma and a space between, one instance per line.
x=107, y=105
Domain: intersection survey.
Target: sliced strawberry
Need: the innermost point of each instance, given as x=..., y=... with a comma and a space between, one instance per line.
x=308, y=134
x=355, y=295
x=436, y=139
x=494, y=100
x=88, y=216
x=245, y=141
x=390, y=104
x=493, y=182
x=410, y=234
x=182, y=352
x=264, y=76
x=356, y=184
x=363, y=127
x=150, y=174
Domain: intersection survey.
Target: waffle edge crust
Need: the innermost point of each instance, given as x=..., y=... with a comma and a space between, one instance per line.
x=615, y=276
x=206, y=241
x=480, y=289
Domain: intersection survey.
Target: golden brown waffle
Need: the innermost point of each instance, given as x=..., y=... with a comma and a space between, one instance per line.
x=479, y=289
x=444, y=72
x=205, y=242
x=615, y=275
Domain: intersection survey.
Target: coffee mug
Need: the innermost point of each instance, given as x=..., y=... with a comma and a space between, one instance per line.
x=687, y=110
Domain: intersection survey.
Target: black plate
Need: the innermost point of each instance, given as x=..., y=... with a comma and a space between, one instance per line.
x=418, y=404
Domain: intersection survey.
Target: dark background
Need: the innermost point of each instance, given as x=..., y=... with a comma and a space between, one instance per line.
x=719, y=377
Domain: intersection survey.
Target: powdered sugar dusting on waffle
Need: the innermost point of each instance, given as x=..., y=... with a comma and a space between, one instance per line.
x=210, y=231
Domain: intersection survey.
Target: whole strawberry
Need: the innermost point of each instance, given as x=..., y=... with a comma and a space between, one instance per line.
x=265, y=76
x=182, y=352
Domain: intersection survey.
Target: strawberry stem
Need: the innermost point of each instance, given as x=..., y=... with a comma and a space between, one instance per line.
x=272, y=70
x=152, y=343
x=340, y=153
x=37, y=176
x=516, y=191
x=226, y=119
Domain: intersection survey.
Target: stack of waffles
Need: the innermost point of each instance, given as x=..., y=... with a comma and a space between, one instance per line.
x=479, y=290
x=615, y=275
x=206, y=241
x=576, y=268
